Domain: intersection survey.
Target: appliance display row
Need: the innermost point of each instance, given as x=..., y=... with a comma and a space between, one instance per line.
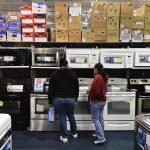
x=77, y=57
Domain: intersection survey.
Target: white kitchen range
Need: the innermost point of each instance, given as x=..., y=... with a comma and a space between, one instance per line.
x=117, y=58
x=82, y=58
x=119, y=111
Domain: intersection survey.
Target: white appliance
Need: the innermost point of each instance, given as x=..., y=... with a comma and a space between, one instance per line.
x=142, y=57
x=5, y=132
x=119, y=111
x=116, y=58
x=82, y=58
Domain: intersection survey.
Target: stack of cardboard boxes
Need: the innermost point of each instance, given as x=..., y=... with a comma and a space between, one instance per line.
x=126, y=16
x=2, y=28
x=39, y=10
x=138, y=23
x=75, y=22
x=27, y=23
x=147, y=23
x=13, y=27
x=61, y=21
x=113, y=16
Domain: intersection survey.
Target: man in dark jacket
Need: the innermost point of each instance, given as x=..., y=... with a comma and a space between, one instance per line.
x=63, y=93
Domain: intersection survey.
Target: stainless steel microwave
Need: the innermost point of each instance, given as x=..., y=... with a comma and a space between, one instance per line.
x=47, y=57
x=14, y=57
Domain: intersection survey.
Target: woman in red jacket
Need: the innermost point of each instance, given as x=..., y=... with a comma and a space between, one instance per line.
x=97, y=98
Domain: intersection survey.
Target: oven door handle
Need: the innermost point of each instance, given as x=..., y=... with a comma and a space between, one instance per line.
x=57, y=58
x=144, y=96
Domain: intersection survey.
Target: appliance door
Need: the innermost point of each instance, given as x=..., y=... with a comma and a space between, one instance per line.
x=143, y=104
x=39, y=106
x=45, y=58
x=120, y=106
x=113, y=60
x=82, y=108
x=142, y=59
x=78, y=58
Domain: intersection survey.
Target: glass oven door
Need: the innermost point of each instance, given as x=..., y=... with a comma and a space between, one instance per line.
x=143, y=104
x=120, y=106
x=82, y=109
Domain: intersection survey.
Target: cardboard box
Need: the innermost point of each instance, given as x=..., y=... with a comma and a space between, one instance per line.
x=99, y=35
x=87, y=35
x=147, y=23
x=53, y=35
x=99, y=22
x=13, y=16
x=40, y=28
x=138, y=22
x=146, y=35
x=14, y=26
x=13, y=36
x=61, y=9
x=61, y=23
x=40, y=18
x=112, y=22
x=27, y=19
x=126, y=9
x=112, y=35
x=75, y=9
x=2, y=37
x=137, y=36
x=126, y=22
x=125, y=35
x=147, y=9
x=39, y=8
x=40, y=37
x=27, y=28
x=28, y=37
x=62, y=36
x=100, y=8
x=74, y=35
x=113, y=9
x=139, y=10
x=26, y=10
x=74, y=22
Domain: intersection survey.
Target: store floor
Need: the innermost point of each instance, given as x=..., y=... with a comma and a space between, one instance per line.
x=116, y=140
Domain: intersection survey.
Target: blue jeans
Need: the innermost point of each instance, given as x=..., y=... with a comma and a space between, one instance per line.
x=97, y=109
x=65, y=108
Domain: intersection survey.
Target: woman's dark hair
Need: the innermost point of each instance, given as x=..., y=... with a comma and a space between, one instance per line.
x=100, y=69
x=63, y=62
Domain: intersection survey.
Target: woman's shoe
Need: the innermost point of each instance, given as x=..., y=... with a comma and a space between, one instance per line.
x=64, y=140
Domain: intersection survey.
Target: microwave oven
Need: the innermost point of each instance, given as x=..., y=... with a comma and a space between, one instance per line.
x=47, y=57
x=14, y=57
x=142, y=57
x=117, y=58
x=82, y=58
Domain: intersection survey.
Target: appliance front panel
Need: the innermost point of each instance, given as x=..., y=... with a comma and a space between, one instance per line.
x=142, y=59
x=119, y=107
x=143, y=105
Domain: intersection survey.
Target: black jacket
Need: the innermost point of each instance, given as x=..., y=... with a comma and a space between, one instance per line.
x=63, y=83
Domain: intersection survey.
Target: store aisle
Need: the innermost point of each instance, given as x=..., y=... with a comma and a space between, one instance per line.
x=116, y=140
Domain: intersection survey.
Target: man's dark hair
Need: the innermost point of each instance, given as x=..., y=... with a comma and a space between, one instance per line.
x=63, y=62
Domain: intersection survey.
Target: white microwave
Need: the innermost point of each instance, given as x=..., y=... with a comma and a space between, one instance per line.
x=82, y=58
x=117, y=58
x=142, y=57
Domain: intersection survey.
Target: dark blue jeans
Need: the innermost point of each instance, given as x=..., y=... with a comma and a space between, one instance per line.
x=65, y=108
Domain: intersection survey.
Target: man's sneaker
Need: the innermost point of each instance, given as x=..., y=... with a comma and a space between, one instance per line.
x=94, y=135
x=64, y=140
x=99, y=141
x=75, y=136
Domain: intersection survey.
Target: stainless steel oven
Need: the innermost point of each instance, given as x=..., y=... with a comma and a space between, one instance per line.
x=14, y=100
x=82, y=108
x=39, y=114
x=47, y=57
x=143, y=94
x=14, y=57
